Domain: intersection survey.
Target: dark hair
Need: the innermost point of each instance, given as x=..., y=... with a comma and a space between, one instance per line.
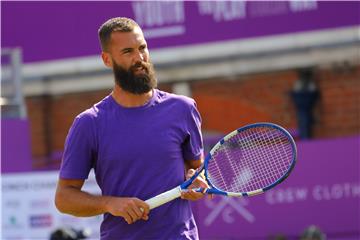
x=118, y=24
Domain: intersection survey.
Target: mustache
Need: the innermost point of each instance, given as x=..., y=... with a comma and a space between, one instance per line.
x=143, y=65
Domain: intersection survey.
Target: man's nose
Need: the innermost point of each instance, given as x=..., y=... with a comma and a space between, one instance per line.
x=139, y=57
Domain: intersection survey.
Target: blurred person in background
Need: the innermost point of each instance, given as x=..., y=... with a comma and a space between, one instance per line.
x=313, y=233
x=139, y=140
x=69, y=234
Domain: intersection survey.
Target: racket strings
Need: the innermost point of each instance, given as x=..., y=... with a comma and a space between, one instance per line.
x=251, y=160
x=277, y=168
x=263, y=168
x=270, y=170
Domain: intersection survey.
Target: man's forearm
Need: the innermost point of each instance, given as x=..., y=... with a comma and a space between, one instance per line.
x=71, y=200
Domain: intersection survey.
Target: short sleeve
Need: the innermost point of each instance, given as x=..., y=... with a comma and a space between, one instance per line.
x=79, y=150
x=193, y=144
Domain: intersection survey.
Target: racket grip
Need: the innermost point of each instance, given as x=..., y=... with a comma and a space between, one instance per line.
x=164, y=197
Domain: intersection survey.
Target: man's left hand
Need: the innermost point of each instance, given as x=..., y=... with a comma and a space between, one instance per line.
x=199, y=182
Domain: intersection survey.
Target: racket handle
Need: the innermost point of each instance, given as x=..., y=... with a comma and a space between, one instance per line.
x=164, y=197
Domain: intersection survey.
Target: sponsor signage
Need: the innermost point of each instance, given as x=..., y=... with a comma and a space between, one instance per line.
x=323, y=189
x=72, y=30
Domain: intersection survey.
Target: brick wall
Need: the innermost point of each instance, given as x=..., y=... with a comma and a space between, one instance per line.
x=225, y=104
x=338, y=111
x=50, y=119
x=266, y=97
x=228, y=104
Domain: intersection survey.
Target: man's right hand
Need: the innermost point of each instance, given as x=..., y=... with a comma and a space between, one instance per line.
x=131, y=209
x=70, y=199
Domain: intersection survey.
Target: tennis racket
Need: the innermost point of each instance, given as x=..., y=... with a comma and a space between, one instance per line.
x=246, y=162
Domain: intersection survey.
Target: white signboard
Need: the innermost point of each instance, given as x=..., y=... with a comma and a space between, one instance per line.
x=28, y=209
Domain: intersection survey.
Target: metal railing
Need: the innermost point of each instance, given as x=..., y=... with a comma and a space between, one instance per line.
x=12, y=101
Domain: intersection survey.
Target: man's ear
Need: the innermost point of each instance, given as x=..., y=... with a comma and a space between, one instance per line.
x=106, y=59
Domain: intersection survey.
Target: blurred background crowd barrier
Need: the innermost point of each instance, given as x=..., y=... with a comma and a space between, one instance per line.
x=294, y=63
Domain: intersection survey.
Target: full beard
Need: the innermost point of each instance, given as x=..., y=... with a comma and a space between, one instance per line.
x=135, y=83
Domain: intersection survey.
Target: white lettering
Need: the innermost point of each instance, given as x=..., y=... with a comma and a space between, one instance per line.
x=356, y=190
x=319, y=193
x=301, y=194
x=316, y=193
x=347, y=188
x=288, y=195
x=300, y=6
x=158, y=13
x=267, y=8
x=223, y=10
x=205, y=7
x=336, y=191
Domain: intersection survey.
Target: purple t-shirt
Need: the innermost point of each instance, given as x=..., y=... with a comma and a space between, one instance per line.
x=138, y=152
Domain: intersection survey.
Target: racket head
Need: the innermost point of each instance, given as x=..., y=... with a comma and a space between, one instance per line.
x=250, y=160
